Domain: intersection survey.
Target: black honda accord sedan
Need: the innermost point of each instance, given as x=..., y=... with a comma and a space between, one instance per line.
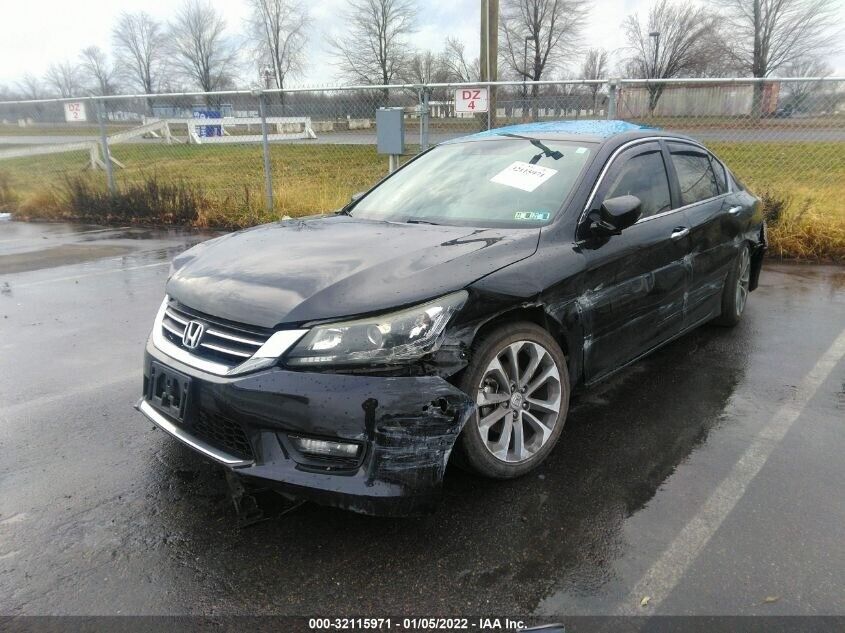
x=448, y=311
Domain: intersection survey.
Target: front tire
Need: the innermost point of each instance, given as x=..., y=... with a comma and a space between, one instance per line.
x=519, y=380
x=735, y=292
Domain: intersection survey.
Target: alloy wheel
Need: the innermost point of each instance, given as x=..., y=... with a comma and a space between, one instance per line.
x=743, y=280
x=519, y=400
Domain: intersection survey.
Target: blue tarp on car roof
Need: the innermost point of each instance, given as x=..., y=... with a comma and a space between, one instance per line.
x=601, y=129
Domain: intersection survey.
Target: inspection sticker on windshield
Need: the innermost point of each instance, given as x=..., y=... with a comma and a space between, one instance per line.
x=523, y=176
x=535, y=216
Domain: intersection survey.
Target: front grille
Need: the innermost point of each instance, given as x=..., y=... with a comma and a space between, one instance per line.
x=222, y=433
x=221, y=342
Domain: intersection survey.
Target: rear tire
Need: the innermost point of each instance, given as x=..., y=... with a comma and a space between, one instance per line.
x=736, y=290
x=519, y=380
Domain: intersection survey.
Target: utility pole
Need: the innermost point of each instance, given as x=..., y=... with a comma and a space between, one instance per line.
x=656, y=36
x=489, y=57
x=525, y=78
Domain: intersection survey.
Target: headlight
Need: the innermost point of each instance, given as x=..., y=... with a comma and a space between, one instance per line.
x=398, y=336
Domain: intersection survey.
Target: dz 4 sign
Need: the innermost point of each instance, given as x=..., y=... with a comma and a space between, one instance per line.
x=471, y=100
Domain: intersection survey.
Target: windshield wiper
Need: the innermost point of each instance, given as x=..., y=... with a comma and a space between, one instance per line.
x=547, y=151
x=421, y=222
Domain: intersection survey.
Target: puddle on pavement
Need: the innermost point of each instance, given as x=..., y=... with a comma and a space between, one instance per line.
x=59, y=256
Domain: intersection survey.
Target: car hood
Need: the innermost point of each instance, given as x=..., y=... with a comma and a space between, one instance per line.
x=324, y=268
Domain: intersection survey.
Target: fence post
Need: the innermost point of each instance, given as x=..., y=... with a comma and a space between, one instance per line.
x=491, y=105
x=268, y=176
x=611, y=99
x=424, y=113
x=104, y=141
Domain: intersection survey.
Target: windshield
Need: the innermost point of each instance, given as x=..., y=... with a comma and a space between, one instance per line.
x=511, y=182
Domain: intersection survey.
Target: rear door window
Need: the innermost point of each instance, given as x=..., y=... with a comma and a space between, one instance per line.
x=719, y=171
x=736, y=183
x=696, y=178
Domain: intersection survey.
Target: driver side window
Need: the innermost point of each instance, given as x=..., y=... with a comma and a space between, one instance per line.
x=644, y=176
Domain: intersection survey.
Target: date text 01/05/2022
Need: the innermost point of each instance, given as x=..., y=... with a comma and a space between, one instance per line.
x=416, y=624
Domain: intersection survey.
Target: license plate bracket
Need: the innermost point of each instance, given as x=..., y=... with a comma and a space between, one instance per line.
x=169, y=391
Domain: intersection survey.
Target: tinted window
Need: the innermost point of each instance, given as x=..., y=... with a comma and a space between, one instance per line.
x=719, y=170
x=644, y=176
x=737, y=184
x=695, y=176
x=508, y=182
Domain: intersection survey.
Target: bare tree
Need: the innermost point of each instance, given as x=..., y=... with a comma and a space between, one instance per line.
x=173, y=83
x=681, y=48
x=374, y=49
x=770, y=34
x=426, y=67
x=594, y=68
x=31, y=87
x=547, y=29
x=201, y=50
x=279, y=30
x=6, y=93
x=456, y=64
x=64, y=79
x=714, y=58
x=97, y=72
x=139, y=45
x=799, y=94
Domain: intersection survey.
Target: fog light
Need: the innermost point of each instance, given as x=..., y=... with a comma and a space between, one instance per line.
x=323, y=448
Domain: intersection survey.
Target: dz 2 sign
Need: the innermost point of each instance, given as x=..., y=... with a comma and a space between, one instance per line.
x=75, y=112
x=471, y=100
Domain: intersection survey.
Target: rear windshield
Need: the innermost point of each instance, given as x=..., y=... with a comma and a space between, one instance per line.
x=508, y=182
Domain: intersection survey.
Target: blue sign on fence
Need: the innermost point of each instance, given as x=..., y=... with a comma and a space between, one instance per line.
x=208, y=130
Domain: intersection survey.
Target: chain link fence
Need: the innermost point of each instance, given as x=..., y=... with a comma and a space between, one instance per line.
x=241, y=157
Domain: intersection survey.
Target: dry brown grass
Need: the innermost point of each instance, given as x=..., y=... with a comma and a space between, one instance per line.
x=802, y=232
x=307, y=179
x=43, y=205
x=8, y=198
x=805, y=181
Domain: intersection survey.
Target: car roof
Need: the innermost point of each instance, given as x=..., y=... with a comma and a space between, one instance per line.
x=595, y=131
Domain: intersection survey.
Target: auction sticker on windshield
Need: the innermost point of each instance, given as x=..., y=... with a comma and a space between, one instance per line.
x=523, y=176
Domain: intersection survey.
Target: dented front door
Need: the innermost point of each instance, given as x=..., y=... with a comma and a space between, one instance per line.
x=636, y=288
x=635, y=283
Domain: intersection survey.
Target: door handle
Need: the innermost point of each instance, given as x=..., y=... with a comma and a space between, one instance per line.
x=735, y=210
x=679, y=232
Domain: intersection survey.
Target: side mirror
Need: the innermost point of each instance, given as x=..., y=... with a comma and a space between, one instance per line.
x=615, y=215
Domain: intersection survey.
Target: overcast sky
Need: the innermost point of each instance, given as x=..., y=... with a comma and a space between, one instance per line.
x=31, y=39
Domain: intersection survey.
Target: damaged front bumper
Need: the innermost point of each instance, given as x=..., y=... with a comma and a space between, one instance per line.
x=262, y=426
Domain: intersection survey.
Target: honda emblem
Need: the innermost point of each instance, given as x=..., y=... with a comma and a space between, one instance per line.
x=193, y=334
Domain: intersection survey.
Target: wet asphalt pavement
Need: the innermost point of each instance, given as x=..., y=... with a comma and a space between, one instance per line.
x=709, y=477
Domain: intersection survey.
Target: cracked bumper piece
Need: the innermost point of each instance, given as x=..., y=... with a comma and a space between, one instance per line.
x=371, y=444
